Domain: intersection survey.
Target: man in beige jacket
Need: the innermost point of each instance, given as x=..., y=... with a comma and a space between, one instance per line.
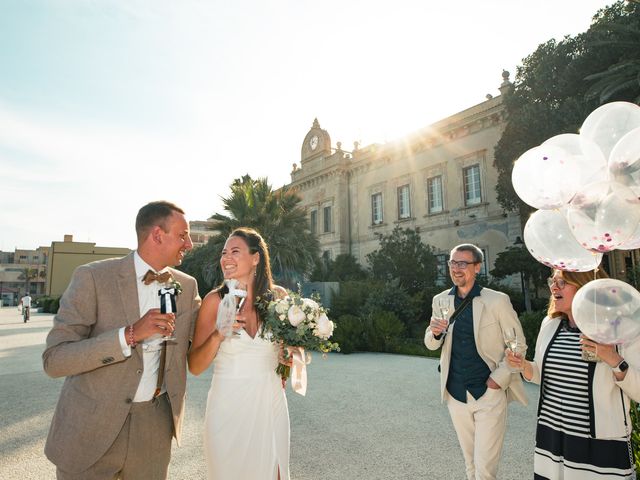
x=123, y=397
x=475, y=381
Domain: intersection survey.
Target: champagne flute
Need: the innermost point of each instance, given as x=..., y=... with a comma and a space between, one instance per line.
x=511, y=341
x=166, y=306
x=510, y=338
x=240, y=294
x=444, y=306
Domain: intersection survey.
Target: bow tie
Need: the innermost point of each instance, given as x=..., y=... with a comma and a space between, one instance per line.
x=152, y=276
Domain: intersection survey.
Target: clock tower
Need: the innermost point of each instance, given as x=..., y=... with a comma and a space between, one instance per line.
x=317, y=143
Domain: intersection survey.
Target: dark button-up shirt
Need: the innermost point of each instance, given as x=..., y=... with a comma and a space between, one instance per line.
x=467, y=371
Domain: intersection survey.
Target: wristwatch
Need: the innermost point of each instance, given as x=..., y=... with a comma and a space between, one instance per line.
x=622, y=367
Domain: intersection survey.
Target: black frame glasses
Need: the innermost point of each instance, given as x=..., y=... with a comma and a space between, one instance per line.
x=461, y=265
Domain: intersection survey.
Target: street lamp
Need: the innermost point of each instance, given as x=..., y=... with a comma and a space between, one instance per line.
x=523, y=280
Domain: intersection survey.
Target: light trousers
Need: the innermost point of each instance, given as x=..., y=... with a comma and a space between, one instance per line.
x=142, y=449
x=480, y=426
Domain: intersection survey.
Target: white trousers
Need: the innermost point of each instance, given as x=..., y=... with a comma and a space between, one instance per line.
x=480, y=426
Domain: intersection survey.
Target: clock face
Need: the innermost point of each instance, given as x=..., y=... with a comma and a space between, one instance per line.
x=313, y=142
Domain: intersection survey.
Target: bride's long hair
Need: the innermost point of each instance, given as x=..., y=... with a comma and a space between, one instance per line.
x=263, y=280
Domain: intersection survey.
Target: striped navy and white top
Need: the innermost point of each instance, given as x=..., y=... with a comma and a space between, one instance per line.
x=564, y=447
x=565, y=403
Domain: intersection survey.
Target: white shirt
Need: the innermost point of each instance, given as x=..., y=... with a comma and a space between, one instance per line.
x=148, y=298
x=26, y=301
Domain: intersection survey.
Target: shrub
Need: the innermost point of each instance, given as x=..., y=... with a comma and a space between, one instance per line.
x=531, y=326
x=422, y=303
x=383, y=331
x=49, y=304
x=349, y=334
x=635, y=433
x=351, y=298
x=392, y=298
x=415, y=346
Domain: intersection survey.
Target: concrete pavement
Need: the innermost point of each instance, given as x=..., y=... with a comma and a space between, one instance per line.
x=365, y=416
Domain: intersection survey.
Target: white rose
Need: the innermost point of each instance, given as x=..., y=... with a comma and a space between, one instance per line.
x=307, y=302
x=324, y=327
x=282, y=307
x=296, y=315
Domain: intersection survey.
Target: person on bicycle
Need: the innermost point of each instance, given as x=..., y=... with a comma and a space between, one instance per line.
x=26, y=306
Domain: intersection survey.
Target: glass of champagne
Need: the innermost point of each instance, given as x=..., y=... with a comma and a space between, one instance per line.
x=511, y=341
x=240, y=296
x=444, y=306
x=588, y=355
x=166, y=306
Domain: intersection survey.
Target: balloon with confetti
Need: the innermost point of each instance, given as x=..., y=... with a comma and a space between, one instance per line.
x=549, y=240
x=608, y=311
x=603, y=215
x=606, y=125
x=535, y=177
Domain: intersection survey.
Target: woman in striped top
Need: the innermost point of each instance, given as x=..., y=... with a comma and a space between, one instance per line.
x=583, y=421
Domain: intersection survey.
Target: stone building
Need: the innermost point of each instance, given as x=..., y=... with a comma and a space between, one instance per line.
x=66, y=256
x=15, y=267
x=439, y=180
x=201, y=231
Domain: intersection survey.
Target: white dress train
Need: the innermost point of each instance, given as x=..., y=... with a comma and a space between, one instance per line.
x=246, y=433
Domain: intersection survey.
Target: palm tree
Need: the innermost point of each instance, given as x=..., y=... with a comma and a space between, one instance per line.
x=620, y=81
x=276, y=215
x=27, y=274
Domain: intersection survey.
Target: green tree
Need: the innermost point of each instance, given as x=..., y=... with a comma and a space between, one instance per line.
x=276, y=215
x=196, y=263
x=551, y=94
x=620, y=81
x=517, y=260
x=403, y=257
x=344, y=268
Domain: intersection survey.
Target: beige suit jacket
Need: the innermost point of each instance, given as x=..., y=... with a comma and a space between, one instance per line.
x=492, y=313
x=100, y=383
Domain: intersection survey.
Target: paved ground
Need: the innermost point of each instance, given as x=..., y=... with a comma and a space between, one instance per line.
x=365, y=416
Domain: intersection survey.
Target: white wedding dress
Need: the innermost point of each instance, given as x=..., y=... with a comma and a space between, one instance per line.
x=246, y=435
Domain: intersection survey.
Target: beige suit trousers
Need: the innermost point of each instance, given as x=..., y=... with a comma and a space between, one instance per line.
x=480, y=426
x=142, y=449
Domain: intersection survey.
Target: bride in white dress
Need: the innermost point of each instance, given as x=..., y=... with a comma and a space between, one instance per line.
x=246, y=434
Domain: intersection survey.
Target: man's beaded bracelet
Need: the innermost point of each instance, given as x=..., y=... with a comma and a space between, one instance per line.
x=132, y=343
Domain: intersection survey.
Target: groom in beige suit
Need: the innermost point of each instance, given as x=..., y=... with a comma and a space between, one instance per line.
x=475, y=382
x=123, y=397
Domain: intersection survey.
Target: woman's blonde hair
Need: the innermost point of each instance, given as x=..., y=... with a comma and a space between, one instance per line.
x=577, y=279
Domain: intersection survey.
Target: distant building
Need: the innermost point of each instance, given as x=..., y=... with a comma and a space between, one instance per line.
x=21, y=271
x=66, y=256
x=439, y=180
x=202, y=231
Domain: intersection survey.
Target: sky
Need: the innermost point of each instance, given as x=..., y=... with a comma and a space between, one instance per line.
x=106, y=105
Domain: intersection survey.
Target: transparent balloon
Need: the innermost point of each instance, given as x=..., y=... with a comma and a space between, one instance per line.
x=545, y=177
x=603, y=215
x=549, y=239
x=606, y=125
x=608, y=311
x=624, y=161
x=590, y=163
x=632, y=242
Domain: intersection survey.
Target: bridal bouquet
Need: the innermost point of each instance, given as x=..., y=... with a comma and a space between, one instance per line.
x=300, y=322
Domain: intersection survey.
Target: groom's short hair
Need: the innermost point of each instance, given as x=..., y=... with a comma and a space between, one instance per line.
x=152, y=214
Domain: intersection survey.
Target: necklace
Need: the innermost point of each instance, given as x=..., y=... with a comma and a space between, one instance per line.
x=567, y=327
